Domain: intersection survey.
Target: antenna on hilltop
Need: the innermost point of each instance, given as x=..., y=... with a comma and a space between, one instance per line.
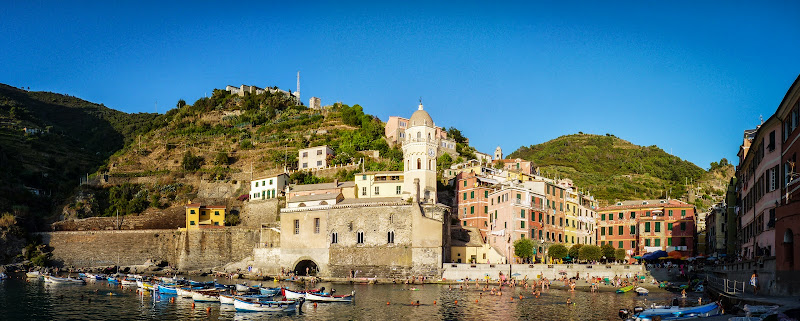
x=298, y=86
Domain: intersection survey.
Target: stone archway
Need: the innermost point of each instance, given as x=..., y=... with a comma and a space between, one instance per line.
x=306, y=265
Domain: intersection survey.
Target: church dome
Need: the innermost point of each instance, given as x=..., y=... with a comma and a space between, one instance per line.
x=421, y=118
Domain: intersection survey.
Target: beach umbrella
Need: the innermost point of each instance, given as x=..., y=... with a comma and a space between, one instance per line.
x=516, y=274
x=638, y=257
x=675, y=254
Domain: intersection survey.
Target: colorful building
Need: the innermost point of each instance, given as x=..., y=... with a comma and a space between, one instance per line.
x=787, y=220
x=515, y=212
x=380, y=184
x=646, y=226
x=202, y=216
x=314, y=157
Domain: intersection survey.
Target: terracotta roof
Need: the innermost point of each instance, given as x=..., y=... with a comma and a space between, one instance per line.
x=321, y=186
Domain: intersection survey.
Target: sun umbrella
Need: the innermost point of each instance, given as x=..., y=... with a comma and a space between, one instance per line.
x=675, y=254
x=638, y=257
x=516, y=274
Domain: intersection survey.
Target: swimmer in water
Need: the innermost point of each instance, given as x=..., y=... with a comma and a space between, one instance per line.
x=415, y=303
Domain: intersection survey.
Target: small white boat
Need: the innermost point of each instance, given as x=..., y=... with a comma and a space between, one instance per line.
x=320, y=297
x=267, y=306
x=3, y=276
x=58, y=280
x=184, y=292
x=292, y=295
x=242, y=288
x=205, y=296
x=128, y=282
x=34, y=274
x=641, y=291
x=226, y=298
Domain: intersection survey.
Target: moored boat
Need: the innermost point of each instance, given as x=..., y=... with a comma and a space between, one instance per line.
x=205, y=295
x=641, y=291
x=322, y=297
x=33, y=274
x=128, y=282
x=58, y=280
x=268, y=306
x=226, y=298
x=167, y=289
x=3, y=276
x=625, y=289
x=242, y=288
x=675, y=313
x=292, y=295
x=269, y=291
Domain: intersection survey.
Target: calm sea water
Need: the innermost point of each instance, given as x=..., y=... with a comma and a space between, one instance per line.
x=22, y=299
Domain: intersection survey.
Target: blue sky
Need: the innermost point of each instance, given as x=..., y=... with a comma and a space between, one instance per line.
x=687, y=76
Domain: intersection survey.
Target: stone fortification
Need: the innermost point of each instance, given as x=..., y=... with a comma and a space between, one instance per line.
x=256, y=212
x=198, y=249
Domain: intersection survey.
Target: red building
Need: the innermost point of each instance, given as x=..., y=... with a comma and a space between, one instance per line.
x=787, y=215
x=645, y=226
x=472, y=200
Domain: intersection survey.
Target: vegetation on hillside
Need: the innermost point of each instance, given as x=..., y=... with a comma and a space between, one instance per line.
x=612, y=169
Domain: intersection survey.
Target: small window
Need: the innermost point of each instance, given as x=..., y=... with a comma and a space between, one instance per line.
x=647, y=227
x=390, y=237
x=216, y=212
x=296, y=227
x=334, y=238
x=522, y=225
x=683, y=226
x=683, y=213
x=216, y=223
x=620, y=245
x=657, y=242
x=620, y=232
x=658, y=227
x=191, y=222
x=398, y=190
x=364, y=191
x=377, y=190
x=360, y=237
x=316, y=225
x=319, y=163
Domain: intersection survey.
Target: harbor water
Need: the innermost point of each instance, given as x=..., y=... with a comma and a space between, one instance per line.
x=33, y=299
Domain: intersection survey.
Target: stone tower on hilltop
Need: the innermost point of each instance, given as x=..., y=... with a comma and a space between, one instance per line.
x=419, y=153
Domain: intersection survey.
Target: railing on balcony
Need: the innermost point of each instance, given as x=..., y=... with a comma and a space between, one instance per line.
x=527, y=204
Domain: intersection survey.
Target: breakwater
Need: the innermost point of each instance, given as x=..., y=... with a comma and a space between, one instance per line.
x=185, y=250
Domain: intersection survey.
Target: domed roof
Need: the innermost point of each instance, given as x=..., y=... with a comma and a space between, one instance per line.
x=421, y=118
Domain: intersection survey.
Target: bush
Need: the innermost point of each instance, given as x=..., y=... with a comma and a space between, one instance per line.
x=608, y=251
x=620, y=254
x=7, y=221
x=222, y=159
x=557, y=251
x=574, y=250
x=590, y=253
x=523, y=248
x=191, y=162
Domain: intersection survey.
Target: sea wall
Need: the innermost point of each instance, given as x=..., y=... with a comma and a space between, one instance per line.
x=186, y=250
x=456, y=271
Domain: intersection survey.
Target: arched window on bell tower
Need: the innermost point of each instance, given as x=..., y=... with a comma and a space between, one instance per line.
x=429, y=164
x=419, y=134
x=419, y=163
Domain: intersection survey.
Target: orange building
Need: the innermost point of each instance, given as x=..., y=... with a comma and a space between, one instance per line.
x=645, y=226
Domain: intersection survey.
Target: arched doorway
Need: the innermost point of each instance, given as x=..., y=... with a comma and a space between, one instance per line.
x=305, y=265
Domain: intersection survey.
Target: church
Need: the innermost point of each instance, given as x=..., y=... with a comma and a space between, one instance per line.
x=385, y=224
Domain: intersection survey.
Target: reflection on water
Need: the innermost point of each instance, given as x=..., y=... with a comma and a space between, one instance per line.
x=35, y=300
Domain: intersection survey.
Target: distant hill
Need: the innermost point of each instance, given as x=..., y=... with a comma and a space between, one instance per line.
x=67, y=138
x=613, y=169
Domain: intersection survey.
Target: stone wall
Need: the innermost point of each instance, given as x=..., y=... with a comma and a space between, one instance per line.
x=455, y=271
x=98, y=248
x=257, y=212
x=151, y=219
x=771, y=283
x=207, y=248
x=196, y=249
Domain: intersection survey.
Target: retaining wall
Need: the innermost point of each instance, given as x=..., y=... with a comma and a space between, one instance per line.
x=457, y=271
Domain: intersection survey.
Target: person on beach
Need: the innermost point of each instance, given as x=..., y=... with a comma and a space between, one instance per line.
x=754, y=281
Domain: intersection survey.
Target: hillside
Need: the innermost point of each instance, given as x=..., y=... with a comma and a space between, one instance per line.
x=613, y=169
x=68, y=137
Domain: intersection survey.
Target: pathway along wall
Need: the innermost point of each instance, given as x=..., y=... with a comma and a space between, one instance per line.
x=198, y=249
x=455, y=271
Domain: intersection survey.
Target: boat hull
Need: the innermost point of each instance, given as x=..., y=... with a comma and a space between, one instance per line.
x=678, y=313
x=329, y=298
x=270, y=306
x=204, y=297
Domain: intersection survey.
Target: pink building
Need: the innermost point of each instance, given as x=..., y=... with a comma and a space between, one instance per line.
x=396, y=127
x=517, y=165
x=515, y=213
x=759, y=188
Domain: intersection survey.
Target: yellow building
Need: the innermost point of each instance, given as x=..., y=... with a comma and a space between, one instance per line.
x=380, y=184
x=571, y=218
x=467, y=246
x=201, y=216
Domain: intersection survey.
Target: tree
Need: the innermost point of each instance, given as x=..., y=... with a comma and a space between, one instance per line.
x=181, y=103
x=191, y=162
x=557, y=251
x=590, y=253
x=499, y=164
x=608, y=251
x=574, y=250
x=523, y=248
x=221, y=159
x=444, y=161
x=620, y=254
x=456, y=135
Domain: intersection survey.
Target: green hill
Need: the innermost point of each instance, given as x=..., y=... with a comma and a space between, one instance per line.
x=68, y=138
x=613, y=169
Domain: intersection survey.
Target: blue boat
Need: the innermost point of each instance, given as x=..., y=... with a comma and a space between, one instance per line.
x=167, y=289
x=675, y=313
x=112, y=280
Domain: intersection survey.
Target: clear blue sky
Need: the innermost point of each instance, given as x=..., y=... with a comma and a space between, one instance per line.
x=687, y=76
